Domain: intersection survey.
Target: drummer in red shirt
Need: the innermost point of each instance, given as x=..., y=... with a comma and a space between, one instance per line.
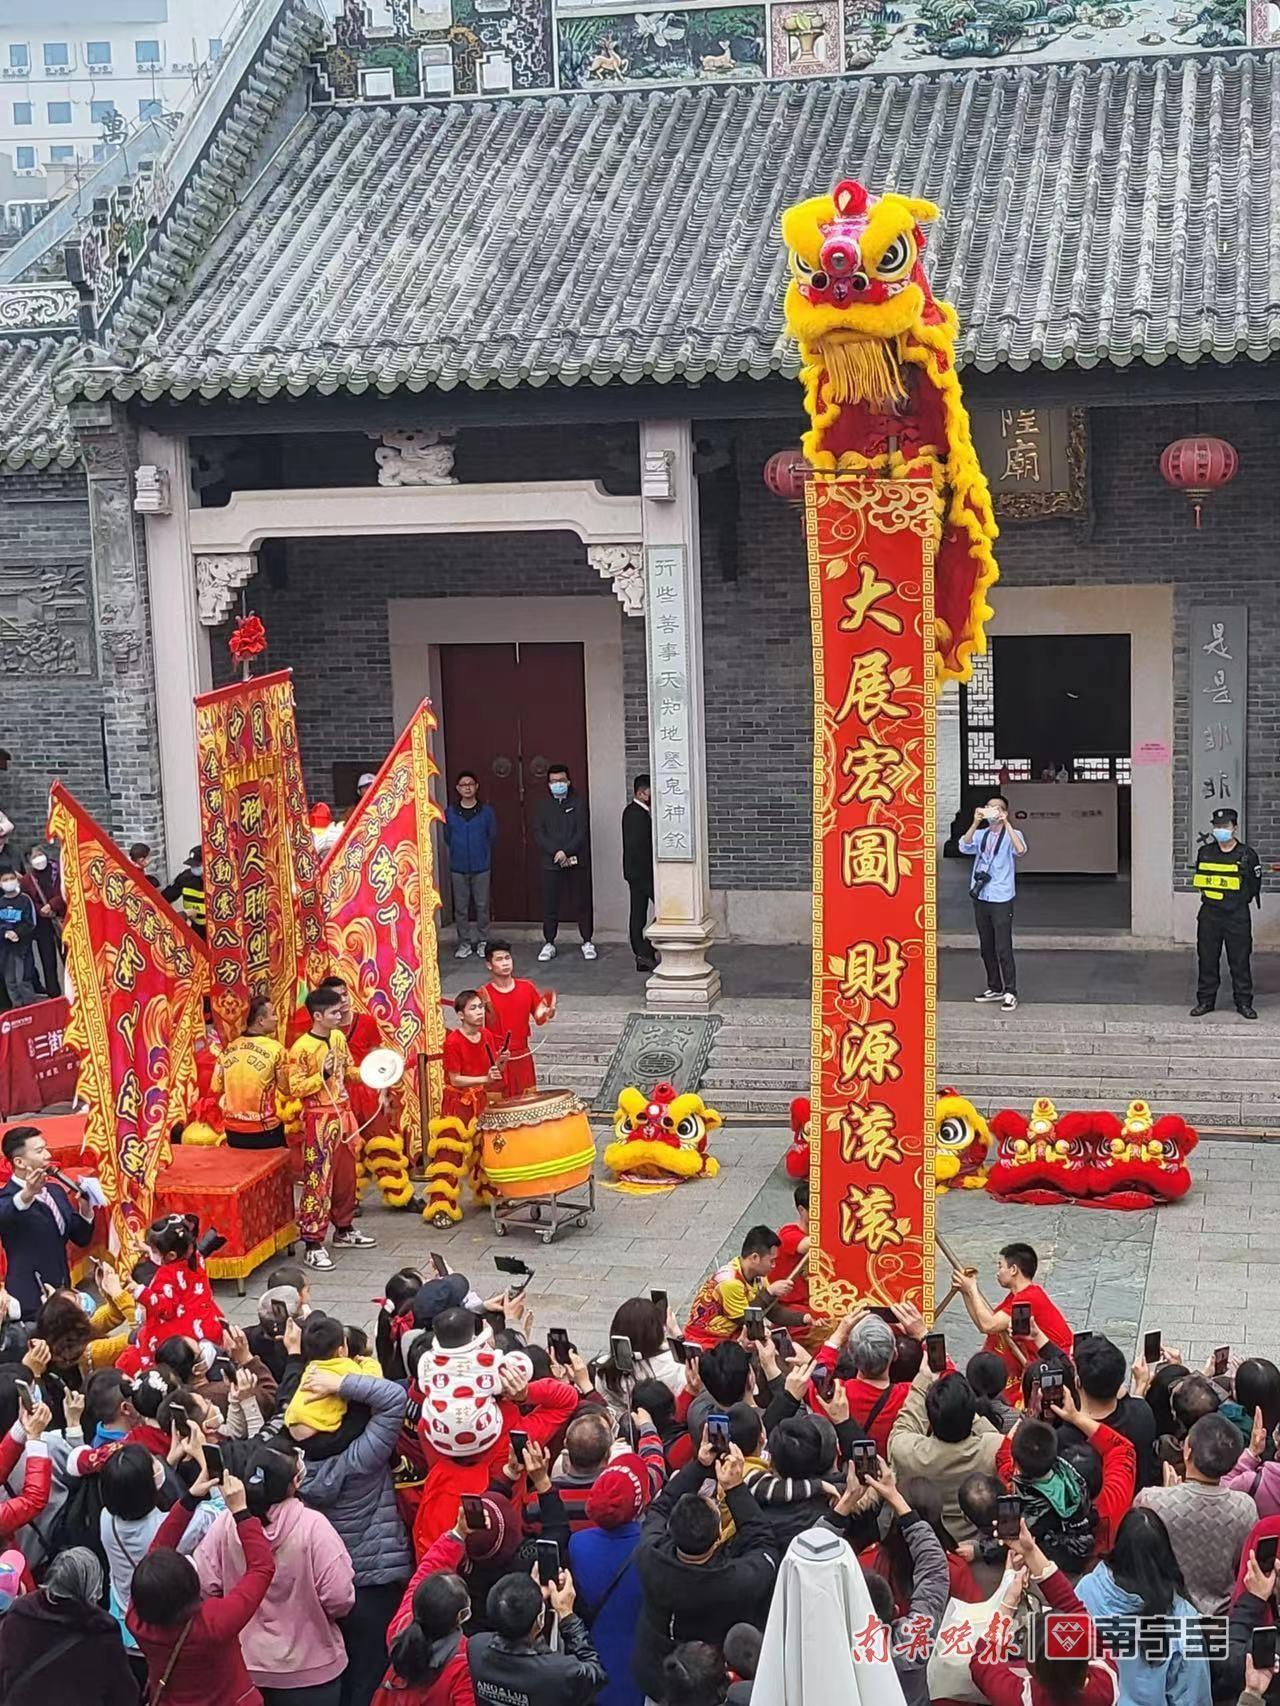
x=512, y=1004
x=474, y=1060
x=1015, y=1273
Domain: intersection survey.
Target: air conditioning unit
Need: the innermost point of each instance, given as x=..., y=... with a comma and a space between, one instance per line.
x=148, y=68
x=16, y=71
x=28, y=172
x=102, y=70
x=63, y=71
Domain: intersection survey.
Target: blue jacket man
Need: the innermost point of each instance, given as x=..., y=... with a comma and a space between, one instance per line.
x=17, y=927
x=37, y=1218
x=470, y=831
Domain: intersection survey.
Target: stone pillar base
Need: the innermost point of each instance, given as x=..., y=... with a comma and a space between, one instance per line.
x=685, y=981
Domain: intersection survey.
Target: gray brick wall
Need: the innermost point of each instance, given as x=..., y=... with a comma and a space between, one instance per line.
x=50, y=721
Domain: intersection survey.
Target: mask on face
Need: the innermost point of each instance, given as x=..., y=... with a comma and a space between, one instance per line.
x=86, y=1302
x=9, y=888
x=559, y=789
x=39, y=862
x=1224, y=833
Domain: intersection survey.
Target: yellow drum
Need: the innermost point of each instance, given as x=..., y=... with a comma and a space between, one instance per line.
x=536, y=1145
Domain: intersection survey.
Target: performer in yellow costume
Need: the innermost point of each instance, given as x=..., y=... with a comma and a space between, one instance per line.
x=319, y=1067
x=250, y=1074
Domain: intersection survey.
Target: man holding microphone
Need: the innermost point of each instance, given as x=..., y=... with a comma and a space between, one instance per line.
x=37, y=1217
x=993, y=844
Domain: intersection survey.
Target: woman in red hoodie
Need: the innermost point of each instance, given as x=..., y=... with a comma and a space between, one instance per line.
x=193, y=1645
x=428, y=1650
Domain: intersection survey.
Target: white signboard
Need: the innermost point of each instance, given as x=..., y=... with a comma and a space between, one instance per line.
x=1069, y=826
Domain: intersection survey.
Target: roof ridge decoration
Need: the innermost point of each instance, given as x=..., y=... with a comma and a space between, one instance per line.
x=145, y=240
x=27, y=309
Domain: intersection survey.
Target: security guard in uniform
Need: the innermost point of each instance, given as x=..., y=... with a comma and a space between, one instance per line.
x=1229, y=878
x=188, y=889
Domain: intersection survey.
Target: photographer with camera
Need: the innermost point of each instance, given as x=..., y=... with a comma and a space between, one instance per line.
x=994, y=844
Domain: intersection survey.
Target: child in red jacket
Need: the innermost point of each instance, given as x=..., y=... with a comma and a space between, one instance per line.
x=427, y=1648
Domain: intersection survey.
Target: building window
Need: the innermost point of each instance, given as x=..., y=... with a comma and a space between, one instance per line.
x=19, y=56
x=150, y=109
x=215, y=47
x=62, y=154
x=378, y=84
x=22, y=112
x=59, y=112
x=102, y=112
x=103, y=151
x=57, y=53
x=97, y=53
x=25, y=159
x=146, y=52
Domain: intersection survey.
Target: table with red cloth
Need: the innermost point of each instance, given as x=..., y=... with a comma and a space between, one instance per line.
x=37, y=1069
x=246, y=1194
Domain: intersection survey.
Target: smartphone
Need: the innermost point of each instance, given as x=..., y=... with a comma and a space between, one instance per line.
x=1152, y=1352
x=862, y=1455
x=26, y=1398
x=718, y=1433
x=659, y=1299
x=1265, y=1552
x=1008, y=1516
x=473, y=1508
x=1076, y=1342
x=519, y=1274
x=1220, y=1359
x=558, y=1345
x=824, y=1380
x=548, y=1558
x=783, y=1343
x=753, y=1320
x=628, y=1432
x=935, y=1350
x=1262, y=1646
x=1020, y=1320
x=213, y=1462
x=519, y=1440
x=1052, y=1386
x=438, y=1263
x=622, y=1356
x=279, y=1318
x=180, y=1421
x=883, y=1311
x=678, y=1349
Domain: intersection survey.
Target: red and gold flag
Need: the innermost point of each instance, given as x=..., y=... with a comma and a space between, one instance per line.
x=264, y=923
x=138, y=976
x=872, y=545
x=380, y=900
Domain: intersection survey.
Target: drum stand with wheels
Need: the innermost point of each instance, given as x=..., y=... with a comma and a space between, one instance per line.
x=545, y=1214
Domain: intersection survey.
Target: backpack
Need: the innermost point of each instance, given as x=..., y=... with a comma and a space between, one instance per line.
x=78, y=1523
x=1067, y=1540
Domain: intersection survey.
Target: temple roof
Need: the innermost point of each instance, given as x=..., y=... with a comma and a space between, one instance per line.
x=38, y=324
x=1095, y=213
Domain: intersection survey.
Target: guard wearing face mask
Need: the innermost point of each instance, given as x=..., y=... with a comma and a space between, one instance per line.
x=17, y=928
x=1229, y=878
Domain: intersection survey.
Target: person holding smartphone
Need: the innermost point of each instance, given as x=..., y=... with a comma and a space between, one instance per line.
x=1208, y=1524
x=1024, y=1311
x=512, y=1659
x=994, y=845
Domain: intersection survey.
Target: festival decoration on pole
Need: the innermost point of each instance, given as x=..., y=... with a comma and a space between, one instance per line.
x=380, y=900
x=248, y=640
x=139, y=976
x=899, y=525
x=262, y=901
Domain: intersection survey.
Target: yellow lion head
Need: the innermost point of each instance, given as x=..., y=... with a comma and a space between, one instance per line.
x=963, y=1138
x=662, y=1135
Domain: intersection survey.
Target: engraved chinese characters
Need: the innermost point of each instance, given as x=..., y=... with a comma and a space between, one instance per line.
x=667, y=617
x=1219, y=691
x=871, y=552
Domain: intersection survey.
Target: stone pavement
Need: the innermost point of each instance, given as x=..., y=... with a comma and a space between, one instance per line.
x=1203, y=1271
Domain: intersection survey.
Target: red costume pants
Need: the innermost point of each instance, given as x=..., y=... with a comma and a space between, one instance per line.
x=328, y=1173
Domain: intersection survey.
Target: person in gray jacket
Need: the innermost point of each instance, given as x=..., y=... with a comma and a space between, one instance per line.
x=348, y=1477
x=912, y=1635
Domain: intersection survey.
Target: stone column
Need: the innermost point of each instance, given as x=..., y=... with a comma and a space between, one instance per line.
x=124, y=625
x=681, y=929
x=163, y=499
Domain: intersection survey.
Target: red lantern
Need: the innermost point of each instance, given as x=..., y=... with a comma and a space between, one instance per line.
x=1198, y=467
x=785, y=473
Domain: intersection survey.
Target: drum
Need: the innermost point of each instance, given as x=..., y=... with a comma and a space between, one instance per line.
x=536, y=1145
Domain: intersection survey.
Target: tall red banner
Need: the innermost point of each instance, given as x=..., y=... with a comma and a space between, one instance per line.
x=138, y=977
x=872, y=545
x=380, y=901
x=264, y=923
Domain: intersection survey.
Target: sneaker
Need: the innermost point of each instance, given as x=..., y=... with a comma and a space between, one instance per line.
x=1009, y=1002
x=589, y=951
x=990, y=995
x=317, y=1257
x=482, y=950
x=353, y=1240
x=462, y=951
x=548, y=951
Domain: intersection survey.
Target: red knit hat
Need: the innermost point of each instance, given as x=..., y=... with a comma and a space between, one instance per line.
x=500, y=1538
x=620, y=1493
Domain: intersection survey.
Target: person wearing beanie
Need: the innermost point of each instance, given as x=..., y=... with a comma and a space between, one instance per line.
x=602, y=1563
x=867, y=1346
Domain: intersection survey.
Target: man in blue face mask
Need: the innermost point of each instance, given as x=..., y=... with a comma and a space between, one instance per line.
x=563, y=833
x=1229, y=878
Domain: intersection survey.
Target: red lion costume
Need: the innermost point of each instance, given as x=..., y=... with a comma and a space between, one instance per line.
x=797, y=1157
x=1094, y=1158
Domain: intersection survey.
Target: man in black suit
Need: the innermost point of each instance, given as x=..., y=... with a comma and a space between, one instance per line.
x=637, y=868
x=36, y=1219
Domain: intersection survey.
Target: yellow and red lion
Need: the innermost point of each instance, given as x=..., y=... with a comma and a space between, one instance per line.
x=877, y=352
x=661, y=1138
x=1092, y=1158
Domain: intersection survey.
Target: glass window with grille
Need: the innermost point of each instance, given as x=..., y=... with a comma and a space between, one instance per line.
x=25, y=159
x=59, y=112
x=57, y=53
x=22, y=112
x=146, y=53
x=97, y=53
x=19, y=56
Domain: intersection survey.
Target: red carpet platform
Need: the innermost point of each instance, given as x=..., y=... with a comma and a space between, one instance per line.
x=247, y=1195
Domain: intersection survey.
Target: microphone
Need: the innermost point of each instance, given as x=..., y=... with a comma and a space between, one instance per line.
x=68, y=1184
x=89, y=1190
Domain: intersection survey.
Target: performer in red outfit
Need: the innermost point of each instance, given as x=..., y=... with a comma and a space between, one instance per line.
x=474, y=1064
x=1015, y=1271
x=512, y=1004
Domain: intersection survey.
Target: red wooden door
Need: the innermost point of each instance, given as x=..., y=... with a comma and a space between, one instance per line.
x=509, y=712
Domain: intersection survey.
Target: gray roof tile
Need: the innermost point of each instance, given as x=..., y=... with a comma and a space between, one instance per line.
x=1093, y=213
x=34, y=428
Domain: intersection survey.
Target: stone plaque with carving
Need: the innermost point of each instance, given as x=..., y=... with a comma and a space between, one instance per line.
x=1034, y=460
x=46, y=622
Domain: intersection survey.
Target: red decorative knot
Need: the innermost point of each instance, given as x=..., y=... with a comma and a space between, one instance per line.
x=785, y=473
x=248, y=638
x=1198, y=467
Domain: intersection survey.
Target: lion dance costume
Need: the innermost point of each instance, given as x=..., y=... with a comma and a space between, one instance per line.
x=1093, y=1158
x=878, y=367
x=661, y=1139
